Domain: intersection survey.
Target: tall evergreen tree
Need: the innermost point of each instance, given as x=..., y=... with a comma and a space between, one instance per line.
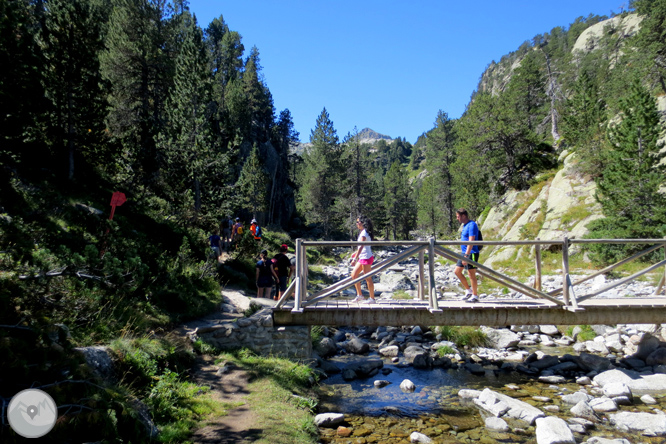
x=398, y=202
x=138, y=65
x=252, y=185
x=429, y=211
x=651, y=39
x=440, y=157
x=72, y=42
x=633, y=174
x=584, y=114
x=320, y=179
x=185, y=143
x=22, y=104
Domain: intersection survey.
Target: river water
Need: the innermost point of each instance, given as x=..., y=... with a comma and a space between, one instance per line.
x=388, y=415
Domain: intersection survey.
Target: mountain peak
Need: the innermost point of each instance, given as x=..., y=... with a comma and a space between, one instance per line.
x=369, y=135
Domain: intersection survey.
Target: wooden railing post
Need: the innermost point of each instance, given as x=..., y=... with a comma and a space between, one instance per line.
x=565, y=270
x=662, y=281
x=537, y=265
x=432, y=290
x=421, y=283
x=300, y=281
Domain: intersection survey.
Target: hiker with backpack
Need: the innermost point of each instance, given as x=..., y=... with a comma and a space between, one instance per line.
x=470, y=232
x=256, y=230
x=237, y=230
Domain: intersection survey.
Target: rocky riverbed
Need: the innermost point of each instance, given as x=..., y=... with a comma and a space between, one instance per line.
x=531, y=384
x=568, y=398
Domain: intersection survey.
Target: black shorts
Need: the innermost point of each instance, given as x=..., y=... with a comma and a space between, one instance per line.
x=474, y=257
x=283, y=283
x=265, y=282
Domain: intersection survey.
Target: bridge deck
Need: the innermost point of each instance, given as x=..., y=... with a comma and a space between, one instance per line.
x=491, y=312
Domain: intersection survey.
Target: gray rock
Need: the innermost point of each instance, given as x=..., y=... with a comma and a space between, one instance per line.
x=545, y=362
x=575, y=398
x=598, y=440
x=330, y=420
x=553, y=379
x=496, y=424
x=381, y=383
x=395, y=281
x=637, y=383
x=590, y=362
x=603, y=405
x=583, y=410
x=358, y=346
x=412, y=351
x=419, y=438
x=615, y=389
x=646, y=423
x=646, y=346
x=326, y=348
x=407, y=386
x=584, y=380
x=501, y=338
x=469, y=393
x=390, y=351
x=578, y=428
x=647, y=399
x=99, y=360
x=422, y=361
x=553, y=430
x=475, y=369
x=517, y=409
x=349, y=374
x=657, y=357
x=549, y=330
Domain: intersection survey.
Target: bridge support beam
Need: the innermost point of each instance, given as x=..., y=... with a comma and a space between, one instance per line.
x=495, y=316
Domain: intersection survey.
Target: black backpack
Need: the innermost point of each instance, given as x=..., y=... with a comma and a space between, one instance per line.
x=480, y=237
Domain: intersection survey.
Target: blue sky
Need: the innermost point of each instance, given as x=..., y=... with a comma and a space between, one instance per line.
x=386, y=65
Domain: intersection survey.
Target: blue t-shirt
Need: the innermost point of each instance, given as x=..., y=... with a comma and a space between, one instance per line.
x=214, y=240
x=470, y=229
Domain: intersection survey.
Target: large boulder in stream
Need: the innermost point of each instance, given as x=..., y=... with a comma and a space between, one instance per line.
x=638, y=384
x=501, y=338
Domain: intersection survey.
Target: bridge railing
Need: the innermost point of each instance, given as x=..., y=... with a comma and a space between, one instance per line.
x=563, y=296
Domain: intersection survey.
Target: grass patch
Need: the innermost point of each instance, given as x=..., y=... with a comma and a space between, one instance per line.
x=587, y=333
x=462, y=336
x=446, y=350
x=575, y=214
x=401, y=294
x=281, y=395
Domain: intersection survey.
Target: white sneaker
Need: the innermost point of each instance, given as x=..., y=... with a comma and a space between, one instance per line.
x=358, y=298
x=473, y=299
x=467, y=295
x=370, y=301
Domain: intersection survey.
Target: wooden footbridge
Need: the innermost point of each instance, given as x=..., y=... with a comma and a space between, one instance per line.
x=561, y=306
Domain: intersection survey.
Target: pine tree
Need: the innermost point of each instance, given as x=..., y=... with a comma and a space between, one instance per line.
x=583, y=118
x=186, y=142
x=398, y=202
x=72, y=41
x=252, y=185
x=138, y=65
x=319, y=187
x=440, y=157
x=629, y=188
x=22, y=104
x=430, y=212
x=651, y=39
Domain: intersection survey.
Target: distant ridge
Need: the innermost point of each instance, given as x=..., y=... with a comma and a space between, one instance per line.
x=366, y=135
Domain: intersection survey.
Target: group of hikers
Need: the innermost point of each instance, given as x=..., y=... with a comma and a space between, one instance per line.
x=278, y=271
x=231, y=231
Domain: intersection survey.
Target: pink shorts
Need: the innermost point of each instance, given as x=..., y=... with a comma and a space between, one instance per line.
x=366, y=261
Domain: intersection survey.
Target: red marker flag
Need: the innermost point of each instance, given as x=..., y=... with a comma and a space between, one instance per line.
x=117, y=199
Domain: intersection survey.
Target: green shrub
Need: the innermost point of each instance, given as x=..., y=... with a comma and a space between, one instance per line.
x=446, y=350
x=462, y=336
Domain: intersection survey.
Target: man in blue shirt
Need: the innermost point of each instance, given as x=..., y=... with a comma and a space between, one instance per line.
x=470, y=232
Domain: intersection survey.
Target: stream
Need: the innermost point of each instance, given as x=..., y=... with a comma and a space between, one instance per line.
x=388, y=415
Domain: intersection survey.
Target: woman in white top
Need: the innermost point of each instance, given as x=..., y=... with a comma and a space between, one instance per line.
x=362, y=259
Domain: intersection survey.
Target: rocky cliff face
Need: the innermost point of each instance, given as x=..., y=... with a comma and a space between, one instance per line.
x=554, y=208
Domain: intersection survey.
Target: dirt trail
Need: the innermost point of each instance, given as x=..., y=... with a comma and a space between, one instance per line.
x=240, y=425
